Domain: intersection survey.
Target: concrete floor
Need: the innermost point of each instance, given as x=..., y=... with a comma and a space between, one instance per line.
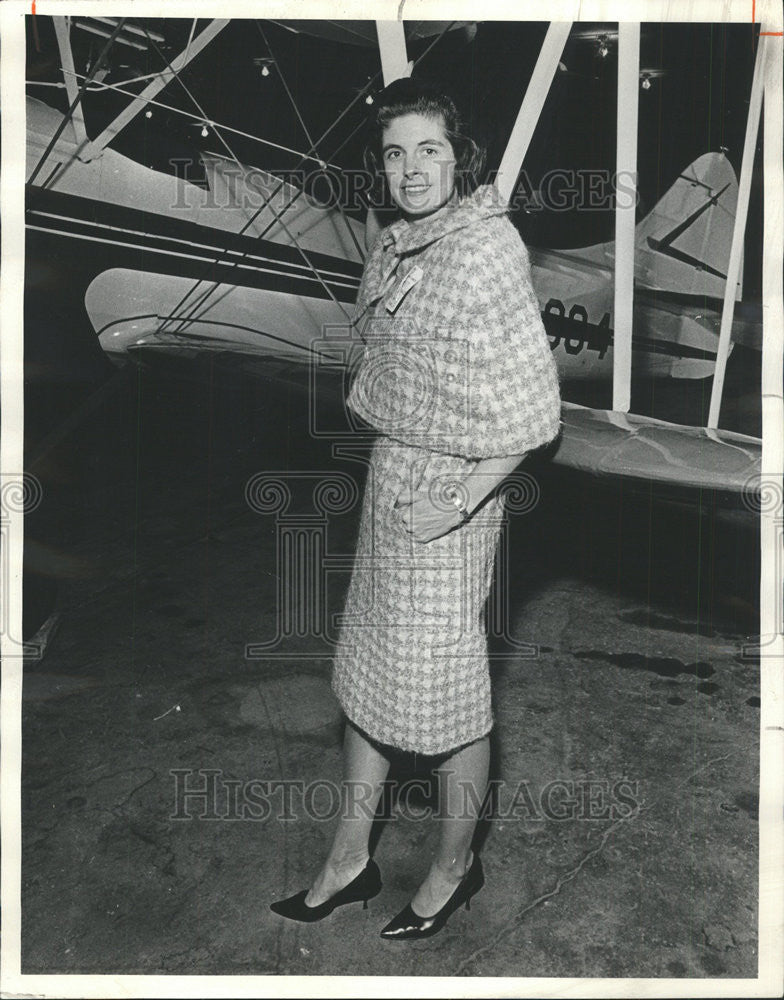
x=640, y=614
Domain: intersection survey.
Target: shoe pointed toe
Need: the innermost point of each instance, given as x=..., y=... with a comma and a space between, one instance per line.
x=290, y=906
x=408, y=924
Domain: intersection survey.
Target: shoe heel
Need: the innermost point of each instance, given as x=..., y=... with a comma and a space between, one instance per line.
x=474, y=890
x=364, y=904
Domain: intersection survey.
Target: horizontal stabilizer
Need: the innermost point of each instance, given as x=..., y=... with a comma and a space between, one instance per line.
x=680, y=339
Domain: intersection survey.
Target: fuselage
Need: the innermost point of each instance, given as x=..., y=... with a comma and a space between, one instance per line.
x=252, y=265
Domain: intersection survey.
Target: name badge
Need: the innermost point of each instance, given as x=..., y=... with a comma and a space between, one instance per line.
x=404, y=287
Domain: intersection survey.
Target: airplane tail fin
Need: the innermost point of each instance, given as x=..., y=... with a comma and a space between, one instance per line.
x=683, y=244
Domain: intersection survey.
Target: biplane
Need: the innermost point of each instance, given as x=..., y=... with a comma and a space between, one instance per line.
x=247, y=264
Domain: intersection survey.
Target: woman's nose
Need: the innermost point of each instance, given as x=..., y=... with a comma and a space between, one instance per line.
x=411, y=166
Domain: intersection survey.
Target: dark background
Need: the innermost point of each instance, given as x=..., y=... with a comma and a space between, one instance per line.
x=699, y=104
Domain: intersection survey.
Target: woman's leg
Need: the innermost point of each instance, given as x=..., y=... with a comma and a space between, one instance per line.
x=364, y=772
x=462, y=787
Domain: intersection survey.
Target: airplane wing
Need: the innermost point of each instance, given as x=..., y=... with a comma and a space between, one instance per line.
x=607, y=444
x=183, y=288
x=364, y=32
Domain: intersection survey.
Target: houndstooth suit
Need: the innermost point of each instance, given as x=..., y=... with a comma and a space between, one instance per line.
x=456, y=367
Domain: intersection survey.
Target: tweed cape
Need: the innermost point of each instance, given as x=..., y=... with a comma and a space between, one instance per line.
x=456, y=367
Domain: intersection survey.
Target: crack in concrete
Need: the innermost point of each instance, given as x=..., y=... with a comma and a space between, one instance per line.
x=560, y=882
x=137, y=788
x=707, y=764
x=573, y=872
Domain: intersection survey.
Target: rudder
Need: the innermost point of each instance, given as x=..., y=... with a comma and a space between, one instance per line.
x=683, y=244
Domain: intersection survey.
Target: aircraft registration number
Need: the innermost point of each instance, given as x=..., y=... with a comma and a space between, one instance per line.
x=573, y=329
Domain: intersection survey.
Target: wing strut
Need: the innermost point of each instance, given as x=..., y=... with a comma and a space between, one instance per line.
x=74, y=103
x=531, y=107
x=62, y=27
x=738, y=233
x=771, y=650
x=138, y=104
x=626, y=167
x=392, y=46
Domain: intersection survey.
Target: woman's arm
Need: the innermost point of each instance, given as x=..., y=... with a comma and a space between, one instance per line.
x=425, y=521
x=486, y=475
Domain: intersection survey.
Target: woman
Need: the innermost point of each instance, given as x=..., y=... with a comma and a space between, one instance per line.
x=458, y=378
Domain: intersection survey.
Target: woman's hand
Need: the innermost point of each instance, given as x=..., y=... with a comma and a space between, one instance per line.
x=421, y=518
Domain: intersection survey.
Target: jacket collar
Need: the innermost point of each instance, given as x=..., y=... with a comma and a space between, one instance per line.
x=483, y=203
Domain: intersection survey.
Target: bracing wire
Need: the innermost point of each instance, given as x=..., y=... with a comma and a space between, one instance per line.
x=120, y=89
x=277, y=216
x=192, y=315
x=313, y=148
x=305, y=130
x=278, y=219
x=237, y=261
x=77, y=100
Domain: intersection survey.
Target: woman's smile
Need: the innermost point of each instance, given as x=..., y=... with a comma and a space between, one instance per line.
x=415, y=192
x=419, y=163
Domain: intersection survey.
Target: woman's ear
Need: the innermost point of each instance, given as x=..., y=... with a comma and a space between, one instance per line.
x=470, y=165
x=377, y=189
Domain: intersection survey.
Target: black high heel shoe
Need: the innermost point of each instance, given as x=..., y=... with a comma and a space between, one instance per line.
x=408, y=924
x=365, y=886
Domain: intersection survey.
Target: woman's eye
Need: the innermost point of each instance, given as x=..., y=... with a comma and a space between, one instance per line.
x=431, y=150
x=393, y=154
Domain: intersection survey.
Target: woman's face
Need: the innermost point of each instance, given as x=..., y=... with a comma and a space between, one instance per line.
x=419, y=163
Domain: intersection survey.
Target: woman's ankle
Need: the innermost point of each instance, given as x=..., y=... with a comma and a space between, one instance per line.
x=454, y=868
x=346, y=861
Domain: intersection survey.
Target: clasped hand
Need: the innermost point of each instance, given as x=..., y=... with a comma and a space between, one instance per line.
x=421, y=518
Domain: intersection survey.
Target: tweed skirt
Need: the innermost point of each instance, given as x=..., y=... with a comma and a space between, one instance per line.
x=411, y=665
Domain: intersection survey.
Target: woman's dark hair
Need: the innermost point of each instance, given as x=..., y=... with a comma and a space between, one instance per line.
x=411, y=96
